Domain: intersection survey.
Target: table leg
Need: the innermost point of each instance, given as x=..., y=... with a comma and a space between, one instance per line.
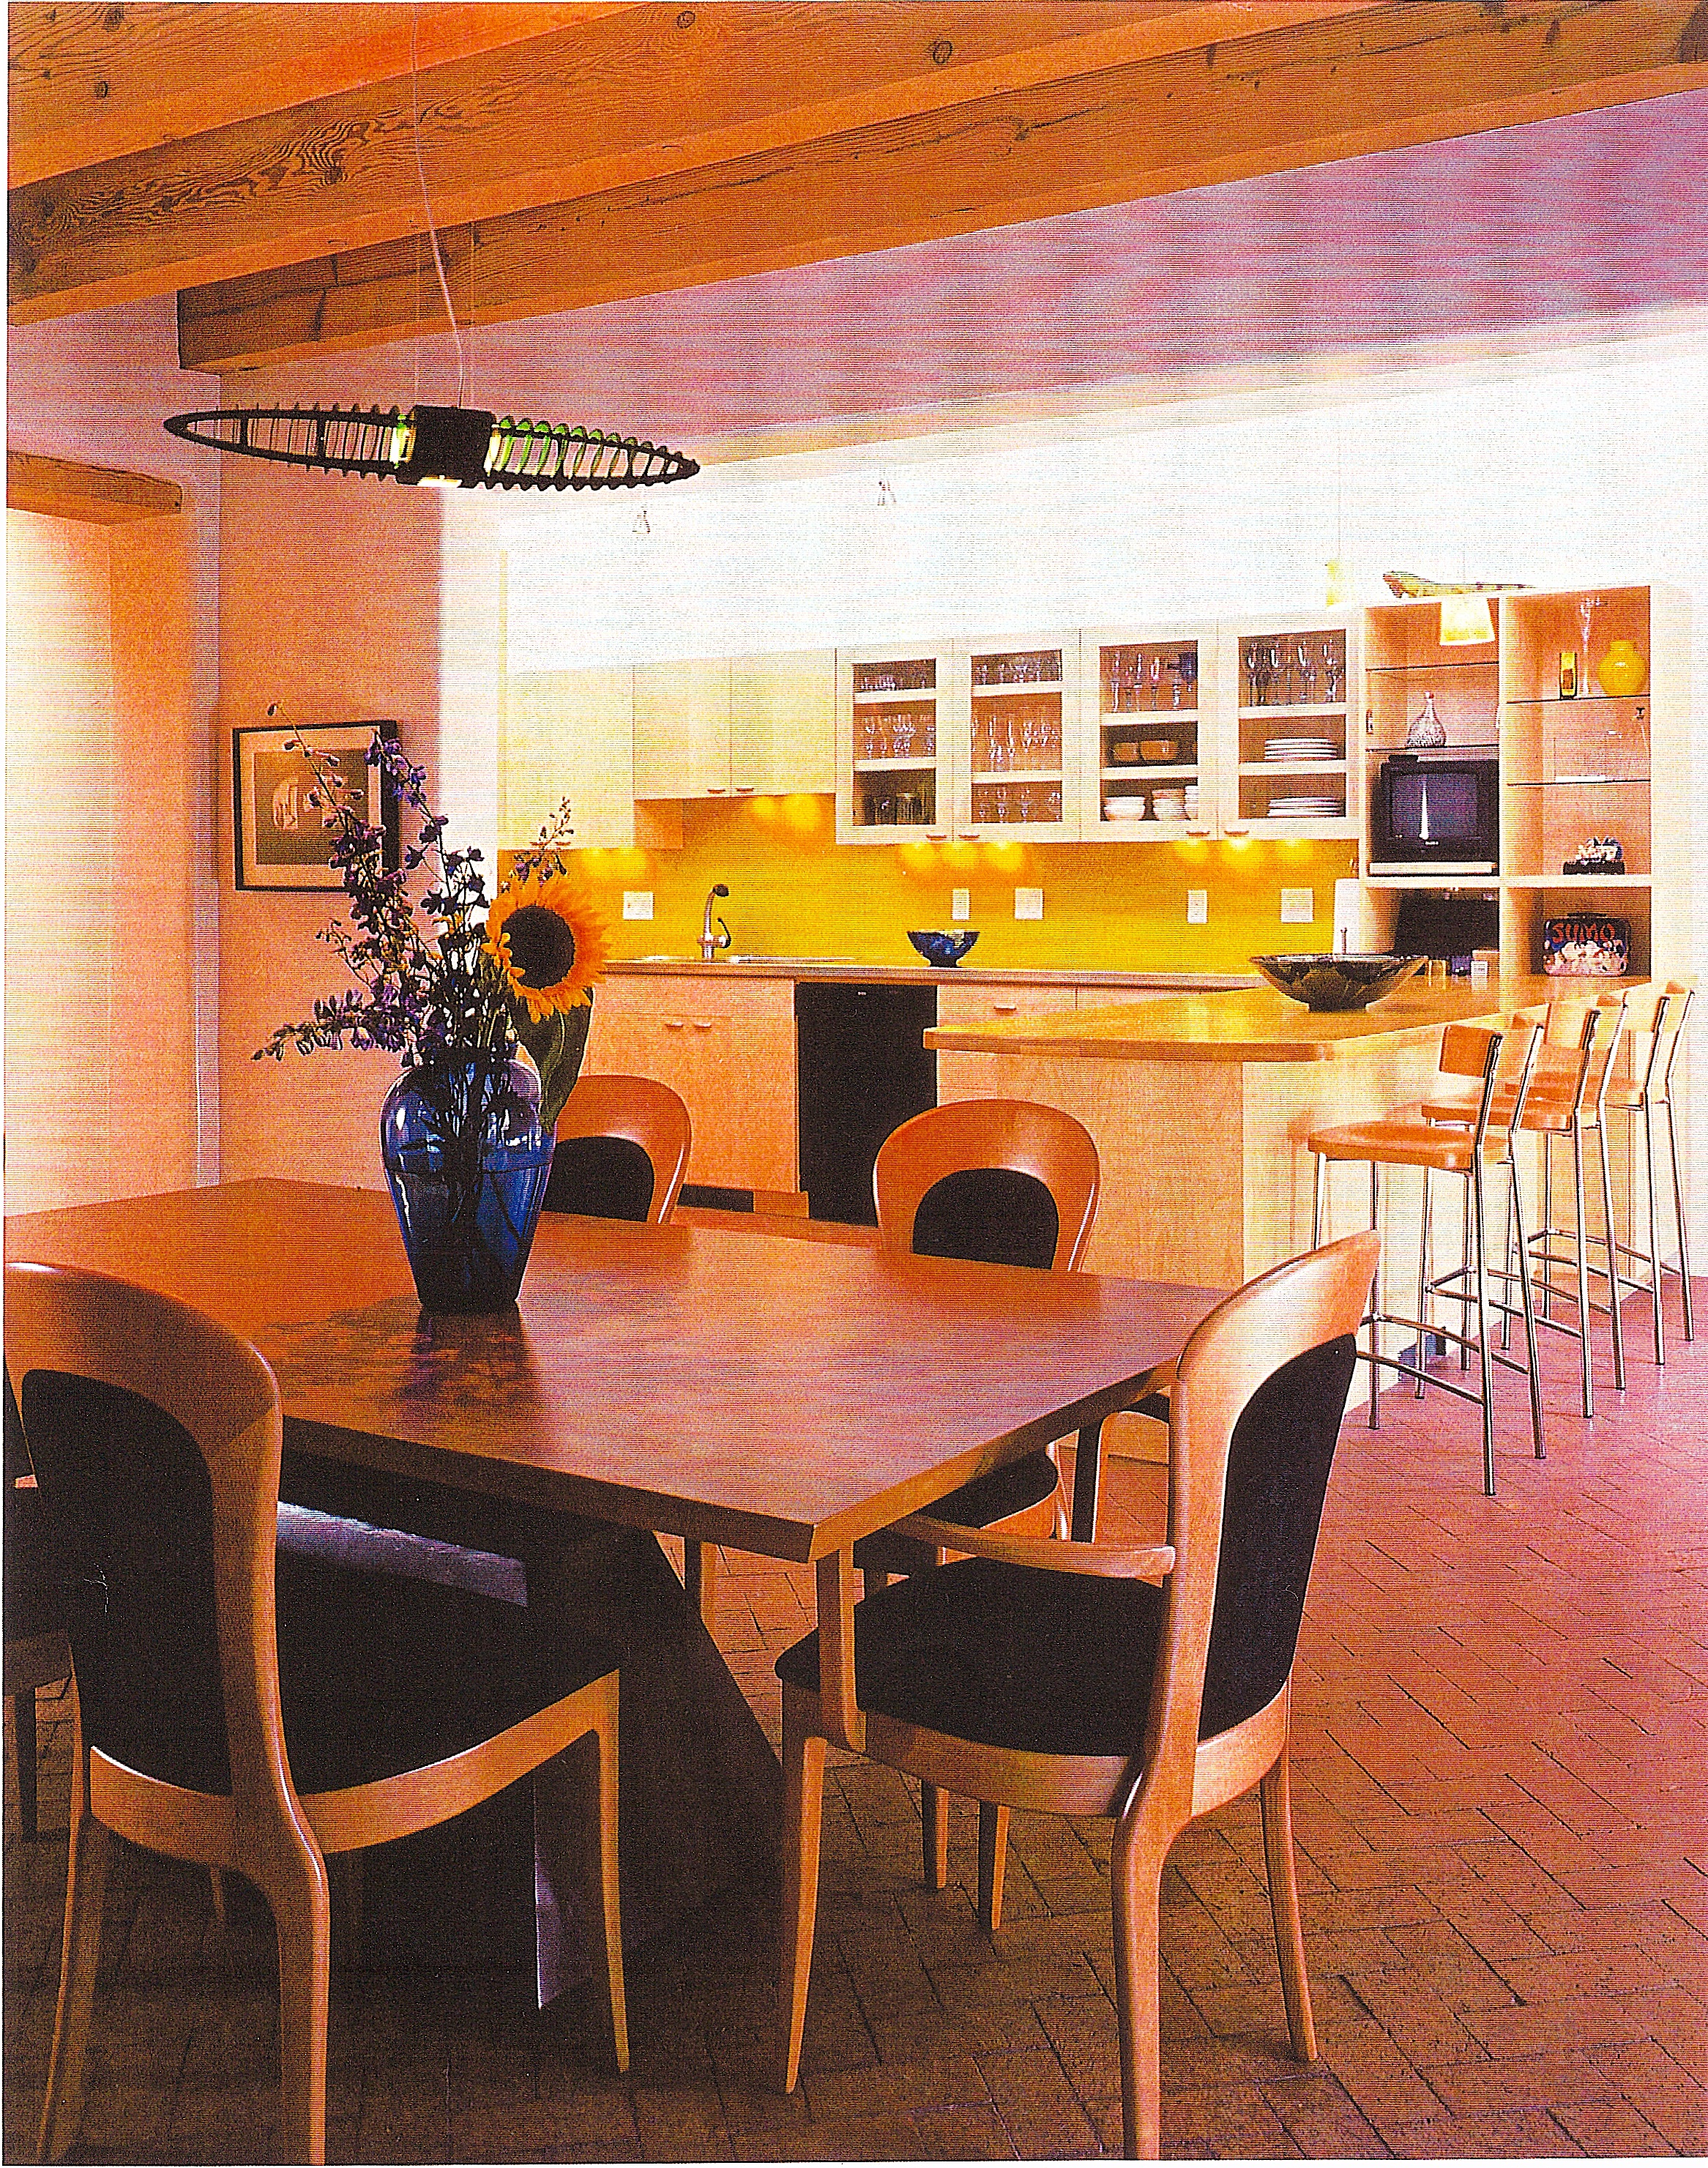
x=1088, y=1472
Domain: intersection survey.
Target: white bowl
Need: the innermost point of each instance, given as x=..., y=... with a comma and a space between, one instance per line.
x=1124, y=808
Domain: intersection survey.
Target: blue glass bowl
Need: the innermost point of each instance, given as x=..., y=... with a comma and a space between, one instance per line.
x=943, y=949
x=1337, y=982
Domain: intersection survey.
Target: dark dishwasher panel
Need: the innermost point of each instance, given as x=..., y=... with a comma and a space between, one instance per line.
x=862, y=1071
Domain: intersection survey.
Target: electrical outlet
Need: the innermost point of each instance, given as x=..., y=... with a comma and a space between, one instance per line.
x=637, y=903
x=1197, y=907
x=1028, y=903
x=960, y=903
x=1298, y=907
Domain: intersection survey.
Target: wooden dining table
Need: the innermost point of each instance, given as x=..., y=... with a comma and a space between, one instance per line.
x=781, y=1396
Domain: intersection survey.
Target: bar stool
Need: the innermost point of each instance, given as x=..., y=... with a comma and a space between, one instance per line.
x=1568, y=1083
x=1655, y=1021
x=1503, y=1059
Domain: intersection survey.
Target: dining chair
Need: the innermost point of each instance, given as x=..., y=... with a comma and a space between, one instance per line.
x=36, y=1651
x=248, y=1710
x=1006, y=1182
x=1473, y=1155
x=622, y=1145
x=1149, y=1685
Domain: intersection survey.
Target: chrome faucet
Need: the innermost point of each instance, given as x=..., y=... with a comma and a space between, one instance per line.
x=711, y=943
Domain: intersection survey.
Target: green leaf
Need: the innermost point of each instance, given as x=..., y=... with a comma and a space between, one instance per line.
x=557, y=1044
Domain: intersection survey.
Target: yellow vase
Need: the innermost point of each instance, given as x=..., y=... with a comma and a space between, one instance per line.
x=1621, y=670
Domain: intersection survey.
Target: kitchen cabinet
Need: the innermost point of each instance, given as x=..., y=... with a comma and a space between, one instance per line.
x=735, y=726
x=895, y=776
x=1147, y=734
x=727, y=1047
x=568, y=734
x=1574, y=763
x=1288, y=763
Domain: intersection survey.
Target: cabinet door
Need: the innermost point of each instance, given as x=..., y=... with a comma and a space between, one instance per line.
x=567, y=734
x=682, y=729
x=1017, y=708
x=729, y=1050
x=896, y=780
x=783, y=722
x=1148, y=734
x=1289, y=751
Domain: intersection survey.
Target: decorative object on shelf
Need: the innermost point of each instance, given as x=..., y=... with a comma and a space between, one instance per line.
x=1157, y=748
x=488, y=1006
x=1134, y=807
x=1586, y=946
x=282, y=840
x=1601, y=854
x=1568, y=674
x=1621, y=671
x=1336, y=981
x=1427, y=730
x=1465, y=620
x=1408, y=585
x=944, y=951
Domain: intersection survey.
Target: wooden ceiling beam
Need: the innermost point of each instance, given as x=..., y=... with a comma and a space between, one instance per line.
x=630, y=96
x=88, y=81
x=1380, y=79
x=106, y=497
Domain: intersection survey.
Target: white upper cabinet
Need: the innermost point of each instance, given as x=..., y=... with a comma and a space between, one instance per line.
x=735, y=726
x=1147, y=733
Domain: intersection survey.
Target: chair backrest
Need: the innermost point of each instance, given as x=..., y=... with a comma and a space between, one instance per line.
x=155, y=1435
x=1003, y=1181
x=1254, y=1418
x=1655, y=1019
x=622, y=1149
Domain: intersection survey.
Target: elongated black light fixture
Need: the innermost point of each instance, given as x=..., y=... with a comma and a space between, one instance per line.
x=436, y=447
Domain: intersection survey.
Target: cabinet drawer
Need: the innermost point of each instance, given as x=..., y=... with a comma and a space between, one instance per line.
x=696, y=994
x=1117, y=998
x=964, y=1004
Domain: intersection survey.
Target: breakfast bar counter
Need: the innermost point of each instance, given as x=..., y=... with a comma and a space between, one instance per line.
x=1200, y=1105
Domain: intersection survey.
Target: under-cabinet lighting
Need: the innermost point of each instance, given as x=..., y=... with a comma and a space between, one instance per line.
x=1465, y=621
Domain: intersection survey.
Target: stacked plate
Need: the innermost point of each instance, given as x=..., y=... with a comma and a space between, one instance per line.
x=1300, y=749
x=1299, y=807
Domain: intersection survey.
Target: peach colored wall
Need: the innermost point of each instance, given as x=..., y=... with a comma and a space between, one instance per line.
x=329, y=607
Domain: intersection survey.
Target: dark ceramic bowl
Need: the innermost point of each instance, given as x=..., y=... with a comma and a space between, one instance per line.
x=943, y=949
x=1336, y=982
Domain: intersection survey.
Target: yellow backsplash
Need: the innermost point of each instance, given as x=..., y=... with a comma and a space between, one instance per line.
x=1107, y=907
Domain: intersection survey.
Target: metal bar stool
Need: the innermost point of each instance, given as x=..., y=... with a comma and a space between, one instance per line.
x=1655, y=1020
x=1568, y=1084
x=1504, y=1059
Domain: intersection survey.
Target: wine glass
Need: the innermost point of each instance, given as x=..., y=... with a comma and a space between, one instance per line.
x=901, y=735
x=1308, y=669
x=1332, y=665
x=868, y=736
x=1587, y=607
x=1156, y=680
x=1259, y=667
x=1189, y=672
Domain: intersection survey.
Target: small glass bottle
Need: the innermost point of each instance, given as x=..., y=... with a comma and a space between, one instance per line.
x=1427, y=730
x=1568, y=673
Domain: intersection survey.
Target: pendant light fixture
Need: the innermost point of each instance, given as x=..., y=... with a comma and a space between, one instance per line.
x=436, y=447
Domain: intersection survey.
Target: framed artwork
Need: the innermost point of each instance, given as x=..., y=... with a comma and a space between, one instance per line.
x=284, y=841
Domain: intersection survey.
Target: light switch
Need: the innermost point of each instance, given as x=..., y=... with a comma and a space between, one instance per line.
x=637, y=903
x=1197, y=907
x=1028, y=903
x=960, y=903
x=1298, y=907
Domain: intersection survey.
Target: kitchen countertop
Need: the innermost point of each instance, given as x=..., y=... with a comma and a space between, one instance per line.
x=923, y=975
x=1254, y=1024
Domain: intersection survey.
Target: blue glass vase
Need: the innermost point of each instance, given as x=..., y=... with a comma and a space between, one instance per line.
x=468, y=1162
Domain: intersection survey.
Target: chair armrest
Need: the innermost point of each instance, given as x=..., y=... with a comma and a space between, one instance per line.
x=1109, y=1561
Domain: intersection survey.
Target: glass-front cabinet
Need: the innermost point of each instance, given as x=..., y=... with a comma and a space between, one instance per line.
x=1149, y=767
x=894, y=766
x=1292, y=754
x=1015, y=739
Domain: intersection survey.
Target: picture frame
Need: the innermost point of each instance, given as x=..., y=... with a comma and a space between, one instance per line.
x=281, y=843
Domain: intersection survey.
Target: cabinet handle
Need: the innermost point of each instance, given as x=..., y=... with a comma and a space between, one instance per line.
x=1198, y=831
x=745, y=789
x=1005, y=1009
x=716, y=789
x=702, y=1023
x=937, y=835
x=969, y=835
x=674, y=1023
x=1236, y=828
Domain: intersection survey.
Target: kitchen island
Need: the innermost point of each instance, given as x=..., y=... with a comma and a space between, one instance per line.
x=1200, y=1103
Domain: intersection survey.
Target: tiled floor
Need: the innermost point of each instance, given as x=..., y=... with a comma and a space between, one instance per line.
x=1502, y=1801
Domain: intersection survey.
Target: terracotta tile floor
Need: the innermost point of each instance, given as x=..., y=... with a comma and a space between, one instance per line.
x=1503, y=1825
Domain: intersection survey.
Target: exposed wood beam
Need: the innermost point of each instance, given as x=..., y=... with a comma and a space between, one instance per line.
x=64, y=490
x=90, y=81
x=1336, y=87
x=631, y=97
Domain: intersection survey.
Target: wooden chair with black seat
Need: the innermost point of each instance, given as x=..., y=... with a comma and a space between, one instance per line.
x=1004, y=1182
x=37, y=1652
x=1061, y=1678
x=249, y=1710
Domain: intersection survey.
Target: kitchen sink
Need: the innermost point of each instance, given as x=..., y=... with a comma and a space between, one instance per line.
x=725, y=956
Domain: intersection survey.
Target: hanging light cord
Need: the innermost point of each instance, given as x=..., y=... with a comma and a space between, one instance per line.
x=426, y=203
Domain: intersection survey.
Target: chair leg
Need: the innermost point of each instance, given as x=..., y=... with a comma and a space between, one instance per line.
x=302, y=1920
x=1680, y=1216
x=1275, y=1797
x=934, y=1836
x=803, y=1815
x=1611, y=1244
x=992, y=1862
x=1485, y=1351
x=1533, y=1368
x=1654, y=1220
x=1374, y=1412
x=1581, y=1244
x=700, y=1579
x=1418, y=1389
x=602, y=1846
x=1136, y=1871
x=89, y=1850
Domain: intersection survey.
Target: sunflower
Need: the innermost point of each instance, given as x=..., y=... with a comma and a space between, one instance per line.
x=549, y=942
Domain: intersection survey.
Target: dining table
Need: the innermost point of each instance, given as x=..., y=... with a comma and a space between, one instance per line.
x=781, y=1396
